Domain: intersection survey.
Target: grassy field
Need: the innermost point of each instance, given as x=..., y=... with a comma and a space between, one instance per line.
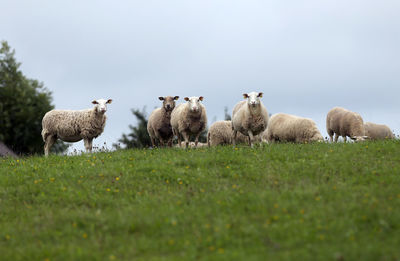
x=278, y=202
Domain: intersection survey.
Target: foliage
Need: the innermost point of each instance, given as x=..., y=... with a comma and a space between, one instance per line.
x=227, y=115
x=139, y=137
x=279, y=202
x=23, y=103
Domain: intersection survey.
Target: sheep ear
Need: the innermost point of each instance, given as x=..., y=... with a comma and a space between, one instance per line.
x=186, y=98
x=201, y=98
x=109, y=101
x=161, y=98
x=95, y=102
x=245, y=95
x=260, y=94
x=176, y=97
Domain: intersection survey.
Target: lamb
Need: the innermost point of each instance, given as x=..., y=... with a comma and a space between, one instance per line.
x=221, y=133
x=291, y=128
x=345, y=123
x=249, y=117
x=189, y=118
x=378, y=131
x=159, y=123
x=73, y=126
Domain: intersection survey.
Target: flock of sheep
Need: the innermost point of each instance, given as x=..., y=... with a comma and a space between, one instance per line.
x=250, y=123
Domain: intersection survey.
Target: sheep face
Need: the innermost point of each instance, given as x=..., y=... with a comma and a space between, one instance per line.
x=194, y=103
x=168, y=102
x=253, y=98
x=101, y=105
x=317, y=137
x=359, y=138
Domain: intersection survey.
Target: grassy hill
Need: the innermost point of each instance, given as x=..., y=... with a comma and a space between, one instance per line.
x=278, y=202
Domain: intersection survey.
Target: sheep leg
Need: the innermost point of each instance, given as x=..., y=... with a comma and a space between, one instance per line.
x=162, y=143
x=88, y=144
x=330, y=133
x=344, y=138
x=336, y=137
x=196, y=140
x=170, y=142
x=50, y=140
x=234, y=138
x=251, y=138
x=176, y=133
x=186, y=138
x=152, y=141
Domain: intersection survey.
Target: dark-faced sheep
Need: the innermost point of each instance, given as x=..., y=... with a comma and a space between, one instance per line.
x=159, y=123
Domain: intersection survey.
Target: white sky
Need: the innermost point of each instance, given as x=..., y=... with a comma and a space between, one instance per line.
x=306, y=56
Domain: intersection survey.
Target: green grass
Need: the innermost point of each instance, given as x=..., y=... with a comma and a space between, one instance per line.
x=278, y=202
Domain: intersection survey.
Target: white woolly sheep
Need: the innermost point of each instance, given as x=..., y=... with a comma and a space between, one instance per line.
x=159, y=123
x=342, y=122
x=221, y=133
x=249, y=117
x=378, y=131
x=73, y=126
x=189, y=118
x=291, y=128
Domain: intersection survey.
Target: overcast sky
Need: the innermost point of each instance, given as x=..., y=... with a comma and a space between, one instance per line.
x=306, y=56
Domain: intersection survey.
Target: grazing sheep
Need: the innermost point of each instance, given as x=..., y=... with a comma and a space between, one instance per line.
x=378, y=131
x=159, y=124
x=221, y=133
x=73, y=126
x=291, y=128
x=189, y=118
x=249, y=117
x=344, y=123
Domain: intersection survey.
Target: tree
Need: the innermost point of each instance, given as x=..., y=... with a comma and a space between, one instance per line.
x=23, y=103
x=138, y=138
x=227, y=115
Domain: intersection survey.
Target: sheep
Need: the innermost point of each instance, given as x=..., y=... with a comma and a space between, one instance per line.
x=73, y=126
x=221, y=133
x=291, y=128
x=189, y=118
x=345, y=123
x=159, y=123
x=378, y=131
x=249, y=117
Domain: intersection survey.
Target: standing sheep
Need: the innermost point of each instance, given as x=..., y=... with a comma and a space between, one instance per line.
x=345, y=123
x=159, y=124
x=378, y=131
x=221, y=133
x=189, y=118
x=291, y=128
x=73, y=126
x=249, y=117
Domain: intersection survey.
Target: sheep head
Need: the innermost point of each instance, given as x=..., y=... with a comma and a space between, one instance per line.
x=194, y=103
x=101, y=105
x=253, y=98
x=359, y=138
x=168, y=102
